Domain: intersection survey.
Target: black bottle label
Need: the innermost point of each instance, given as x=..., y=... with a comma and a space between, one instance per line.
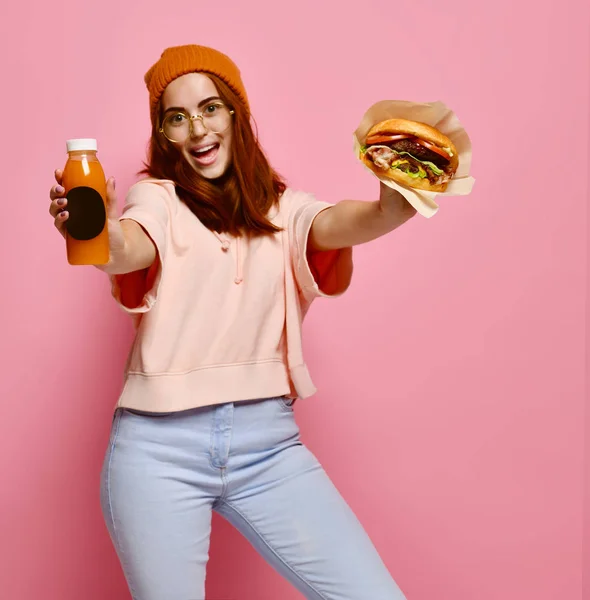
x=87, y=216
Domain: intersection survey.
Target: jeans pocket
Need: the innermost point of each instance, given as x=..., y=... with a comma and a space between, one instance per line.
x=286, y=403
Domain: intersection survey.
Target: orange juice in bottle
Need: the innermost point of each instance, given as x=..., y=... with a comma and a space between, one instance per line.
x=87, y=238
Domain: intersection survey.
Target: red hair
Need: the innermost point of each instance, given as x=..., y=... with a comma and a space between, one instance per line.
x=239, y=201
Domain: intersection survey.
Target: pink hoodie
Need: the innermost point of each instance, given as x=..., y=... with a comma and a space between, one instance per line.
x=218, y=319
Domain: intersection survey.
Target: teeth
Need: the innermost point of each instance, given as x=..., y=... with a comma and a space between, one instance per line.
x=205, y=149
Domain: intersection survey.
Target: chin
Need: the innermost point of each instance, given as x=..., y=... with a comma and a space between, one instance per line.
x=212, y=172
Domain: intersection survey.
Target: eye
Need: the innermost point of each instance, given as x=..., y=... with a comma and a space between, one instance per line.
x=176, y=118
x=213, y=108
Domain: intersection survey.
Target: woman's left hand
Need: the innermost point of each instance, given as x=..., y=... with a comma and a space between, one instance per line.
x=394, y=204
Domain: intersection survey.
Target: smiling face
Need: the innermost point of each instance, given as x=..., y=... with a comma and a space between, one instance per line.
x=208, y=153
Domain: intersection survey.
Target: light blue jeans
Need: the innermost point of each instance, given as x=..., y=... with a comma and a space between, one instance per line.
x=163, y=476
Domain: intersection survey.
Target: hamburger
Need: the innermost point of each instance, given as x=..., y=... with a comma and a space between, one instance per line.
x=411, y=153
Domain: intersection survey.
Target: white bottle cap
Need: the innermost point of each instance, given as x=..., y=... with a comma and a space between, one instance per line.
x=82, y=144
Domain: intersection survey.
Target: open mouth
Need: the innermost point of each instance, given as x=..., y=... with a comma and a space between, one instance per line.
x=205, y=155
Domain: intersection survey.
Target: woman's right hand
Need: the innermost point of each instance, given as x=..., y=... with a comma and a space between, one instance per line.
x=130, y=248
x=58, y=210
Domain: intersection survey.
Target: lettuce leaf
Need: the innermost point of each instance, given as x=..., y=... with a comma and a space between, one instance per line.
x=421, y=174
x=404, y=165
x=434, y=168
x=398, y=164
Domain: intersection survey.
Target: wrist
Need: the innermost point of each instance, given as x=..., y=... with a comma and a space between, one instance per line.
x=118, y=260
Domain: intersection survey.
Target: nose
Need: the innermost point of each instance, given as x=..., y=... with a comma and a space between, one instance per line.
x=199, y=129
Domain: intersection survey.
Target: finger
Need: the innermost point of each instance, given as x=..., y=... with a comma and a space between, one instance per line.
x=57, y=206
x=60, y=220
x=57, y=191
x=58, y=173
x=112, y=207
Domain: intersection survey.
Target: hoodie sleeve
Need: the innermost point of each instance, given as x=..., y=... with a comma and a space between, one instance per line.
x=327, y=273
x=147, y=204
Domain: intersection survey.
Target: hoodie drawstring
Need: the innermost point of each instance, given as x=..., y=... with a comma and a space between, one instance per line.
x=239, y=277
x=225, y=246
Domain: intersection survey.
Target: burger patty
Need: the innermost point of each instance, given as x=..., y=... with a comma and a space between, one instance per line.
x=420, y=152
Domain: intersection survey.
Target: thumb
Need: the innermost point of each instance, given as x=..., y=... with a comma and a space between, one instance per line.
x=112, y=206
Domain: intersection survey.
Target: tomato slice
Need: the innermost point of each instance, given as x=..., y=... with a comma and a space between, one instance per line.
x=384, y=139
x=434, y=148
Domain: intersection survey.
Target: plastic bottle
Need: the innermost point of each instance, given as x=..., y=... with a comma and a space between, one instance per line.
x=87, y=238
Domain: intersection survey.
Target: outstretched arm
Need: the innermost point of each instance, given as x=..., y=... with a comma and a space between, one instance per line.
x=354, y=222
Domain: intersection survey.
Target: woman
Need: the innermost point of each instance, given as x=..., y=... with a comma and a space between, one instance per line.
x=218, y=262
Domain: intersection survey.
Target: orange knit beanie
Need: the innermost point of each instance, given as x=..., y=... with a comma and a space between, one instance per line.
x=179, y=60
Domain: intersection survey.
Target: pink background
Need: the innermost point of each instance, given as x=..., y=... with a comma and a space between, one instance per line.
x=452, y=406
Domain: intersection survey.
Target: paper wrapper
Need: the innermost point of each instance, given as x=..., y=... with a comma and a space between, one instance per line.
x=437, y=115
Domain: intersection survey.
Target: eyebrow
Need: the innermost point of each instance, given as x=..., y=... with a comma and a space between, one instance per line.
x=201, y=103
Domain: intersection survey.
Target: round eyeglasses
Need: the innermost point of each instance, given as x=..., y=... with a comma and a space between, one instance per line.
x=179, y=126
